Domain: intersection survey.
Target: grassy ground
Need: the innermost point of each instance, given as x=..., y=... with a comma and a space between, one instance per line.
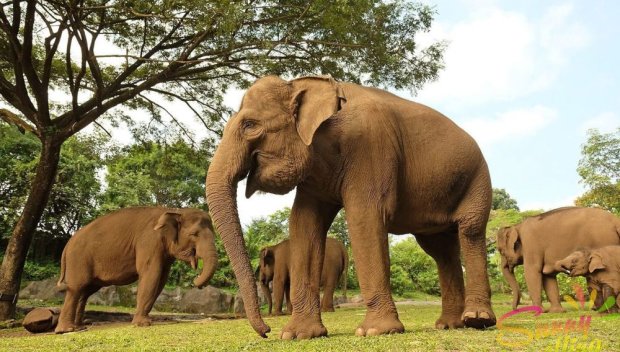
x=418, y=318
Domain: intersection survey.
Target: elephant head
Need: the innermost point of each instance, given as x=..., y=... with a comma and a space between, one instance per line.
x=265, y=273
x=580, y=263
x=269, y=141
x=509, y=246
x=188, y=236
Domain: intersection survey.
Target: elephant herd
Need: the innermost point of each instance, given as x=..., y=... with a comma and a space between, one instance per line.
x=394, y=165
x=572, y=240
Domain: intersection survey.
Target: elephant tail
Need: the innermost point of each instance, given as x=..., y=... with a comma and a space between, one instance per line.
x=61, y=286
x=345, y=272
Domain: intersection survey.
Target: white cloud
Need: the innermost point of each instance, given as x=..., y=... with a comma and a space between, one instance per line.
x=605, y=122
x=499, y=55
x=510, y=125
x=260, y=204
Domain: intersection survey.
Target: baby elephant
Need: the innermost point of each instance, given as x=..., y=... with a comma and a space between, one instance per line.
x=131, y=244
x=274, y=267
x=602, y=268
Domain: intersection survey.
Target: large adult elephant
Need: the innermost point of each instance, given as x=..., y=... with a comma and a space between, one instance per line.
x=130, y=244
x=539, y=241
x=394, y=165
x=274, y=268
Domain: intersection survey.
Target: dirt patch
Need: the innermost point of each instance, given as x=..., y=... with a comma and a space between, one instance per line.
x=95, y=320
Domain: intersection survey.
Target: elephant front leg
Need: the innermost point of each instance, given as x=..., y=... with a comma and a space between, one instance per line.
x=533, y=279
x=478, y=312
x=308, y=226
x=550, y=284
x=278, y=296
x=369, y=242
x=327, y=303
x=148, y=290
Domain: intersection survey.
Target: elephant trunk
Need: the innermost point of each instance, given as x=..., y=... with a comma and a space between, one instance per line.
x=221, y=189
x=509, y=275
x=206, y=251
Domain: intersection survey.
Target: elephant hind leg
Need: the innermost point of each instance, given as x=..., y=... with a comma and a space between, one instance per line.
x=478, y=312
x=445, y=250
x=81, y=306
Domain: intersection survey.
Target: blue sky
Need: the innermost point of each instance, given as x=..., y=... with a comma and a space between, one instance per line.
x=526, y=79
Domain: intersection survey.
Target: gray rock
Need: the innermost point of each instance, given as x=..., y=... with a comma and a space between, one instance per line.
x=41, y=319
x=44, y=290
x=106, y=296
x=340, y=300
x=357, y=299
x=208, y=300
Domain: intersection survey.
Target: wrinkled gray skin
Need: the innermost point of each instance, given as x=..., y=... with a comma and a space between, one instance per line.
x=274, y=268
x=131, y=244
x=602, y=268
x=394, y=165
x=541, y=240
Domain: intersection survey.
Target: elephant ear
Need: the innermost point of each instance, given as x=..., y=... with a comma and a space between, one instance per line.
x=314, y=100
x=513, y=240
x=267, y=256
x=596, y=263
x=168, y=225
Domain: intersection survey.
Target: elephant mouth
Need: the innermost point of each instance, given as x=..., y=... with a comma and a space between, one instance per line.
x=566, y=270
x=189, y=256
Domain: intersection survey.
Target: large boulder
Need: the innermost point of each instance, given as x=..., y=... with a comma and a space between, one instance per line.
x=44, y=290
x=41, y=319
x=208, y=300
x=106, y=296
x=168, y=300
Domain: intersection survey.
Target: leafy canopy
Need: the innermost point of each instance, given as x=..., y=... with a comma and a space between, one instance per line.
x=599, y=169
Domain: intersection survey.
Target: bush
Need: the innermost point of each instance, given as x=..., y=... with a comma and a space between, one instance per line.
x=34, y=271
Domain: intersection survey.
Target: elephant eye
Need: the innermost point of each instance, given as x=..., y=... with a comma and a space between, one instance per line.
x=194, y=234
x=247, y=124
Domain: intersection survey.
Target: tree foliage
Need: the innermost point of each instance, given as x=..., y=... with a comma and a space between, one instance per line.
x=412, y=269
x=157, y=172
x=599, y=169
x=503, y=200
x=100, y=55
x=74, y=197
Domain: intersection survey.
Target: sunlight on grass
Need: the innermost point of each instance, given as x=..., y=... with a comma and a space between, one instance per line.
x=234, y=335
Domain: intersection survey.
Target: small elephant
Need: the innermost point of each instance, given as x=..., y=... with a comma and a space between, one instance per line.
x=275, y=265
x=539, y=241
x=601, y=266
x=395, y=166
x=131, y=244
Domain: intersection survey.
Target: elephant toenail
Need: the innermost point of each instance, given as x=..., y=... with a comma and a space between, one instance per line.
x=484, y=315
x=302, y=336
x=286, y=335
x=360, y=332
x=372, y=332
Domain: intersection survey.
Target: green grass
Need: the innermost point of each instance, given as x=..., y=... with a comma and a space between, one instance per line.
x=237, y=335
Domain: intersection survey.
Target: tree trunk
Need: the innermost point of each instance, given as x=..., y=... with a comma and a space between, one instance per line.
x=17, y=248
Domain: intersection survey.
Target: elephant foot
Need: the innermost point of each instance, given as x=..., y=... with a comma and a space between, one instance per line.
x=449, y=322
x=478, y=316
x=376, y=324
x=141, y=321
x=555, y=310
x=66, y=328
x=302, y=328
x=328, y=309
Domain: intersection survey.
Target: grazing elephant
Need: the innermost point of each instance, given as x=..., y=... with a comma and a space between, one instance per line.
x=274, y=267
x=601, y=266
x=539, y=241
x=395, y=166
x=131, y=244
